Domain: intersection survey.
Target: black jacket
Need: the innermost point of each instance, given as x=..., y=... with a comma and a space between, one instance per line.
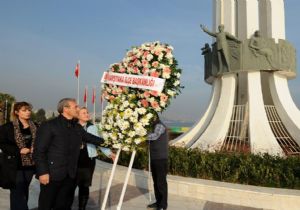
x=11, y=159
x=57, y=147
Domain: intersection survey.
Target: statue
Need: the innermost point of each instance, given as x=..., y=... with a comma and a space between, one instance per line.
x=222, y=45
x=207, y=53
x=257, y=45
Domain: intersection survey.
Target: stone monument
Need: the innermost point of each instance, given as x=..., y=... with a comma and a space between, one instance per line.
x=248, y=66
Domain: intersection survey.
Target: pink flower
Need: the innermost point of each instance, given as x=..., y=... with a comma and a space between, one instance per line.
x=122, y=70
x=154, y=74
x=154, y=93
x=135, y=70
x=145, y=103
x=111, y=98
x=145, y=63
x=145, y=71
x=167, y=70
x=154, y=104
x=147, y=94
x=163, y=97
x=155, y=64
x=145, y=53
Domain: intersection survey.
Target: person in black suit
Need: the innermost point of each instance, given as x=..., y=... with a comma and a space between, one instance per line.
x=56, y=156
x=16, y=142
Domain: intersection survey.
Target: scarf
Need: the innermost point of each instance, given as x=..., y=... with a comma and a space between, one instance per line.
x=25, y=159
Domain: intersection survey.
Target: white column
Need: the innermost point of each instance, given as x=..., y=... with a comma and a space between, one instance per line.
x=285, y=106
x=229, y=16
x=247, y=22
x=277, y=19
x=194, y=133
x=214, y=135
x=262, y=139
x=247, y=18
x=217, y=4
x=272, y=18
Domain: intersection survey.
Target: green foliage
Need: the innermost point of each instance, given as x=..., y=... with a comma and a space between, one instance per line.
x=260, y=170
x=6, y=102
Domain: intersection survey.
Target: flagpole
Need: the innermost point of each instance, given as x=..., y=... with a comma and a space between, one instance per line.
x=78, y=82
x=86, y=95
x=94, y=103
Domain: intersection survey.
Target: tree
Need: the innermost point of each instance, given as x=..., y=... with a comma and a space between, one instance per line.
x=6, y=101
x=40, y=116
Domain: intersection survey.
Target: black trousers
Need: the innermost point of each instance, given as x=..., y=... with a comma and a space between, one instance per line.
x=57, y=195
x=159, y=170
x=19, y=194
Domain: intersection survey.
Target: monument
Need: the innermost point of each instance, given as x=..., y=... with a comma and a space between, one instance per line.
x=248, y=65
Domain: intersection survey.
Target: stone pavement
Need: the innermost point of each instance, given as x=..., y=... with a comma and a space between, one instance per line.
x=135, y=199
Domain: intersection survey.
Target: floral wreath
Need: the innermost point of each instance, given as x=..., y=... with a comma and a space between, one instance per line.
x=130, y=112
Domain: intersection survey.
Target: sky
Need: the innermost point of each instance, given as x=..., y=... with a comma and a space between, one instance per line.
x=41, y=41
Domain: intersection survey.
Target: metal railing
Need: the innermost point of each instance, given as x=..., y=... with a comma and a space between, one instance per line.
x=285, y=140
x=237, y=139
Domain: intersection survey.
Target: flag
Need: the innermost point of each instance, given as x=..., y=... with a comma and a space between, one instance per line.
x=85, y=95
x=77, y=70
x=94, y=96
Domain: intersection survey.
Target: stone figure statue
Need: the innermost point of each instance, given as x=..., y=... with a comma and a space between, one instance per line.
x=259, y=47
x=222, y=45
x=207, y=53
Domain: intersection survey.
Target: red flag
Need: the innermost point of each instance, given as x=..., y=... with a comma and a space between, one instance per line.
x=94, y=96
x=77, y=70
x=85, y=95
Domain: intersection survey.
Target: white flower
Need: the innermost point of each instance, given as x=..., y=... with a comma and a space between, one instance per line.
x=141, y=110
x=162, y=103
x=166, y=75
x=113, y=136
x=125, y=148
x=178, y=75
x=133, y=119
x=137, y=141
x=108, y=127
x=149, y=116
x=149, y=57
x=105, y=135
x=176, y=83
x=127, y=113
x=125, y=104
x=145, y=121
x=128, y=140
x=131, y=133
x=117, y=146
x=171, y=92
x=169, y=55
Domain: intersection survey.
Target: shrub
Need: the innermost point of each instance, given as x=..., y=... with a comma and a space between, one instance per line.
x=260, y=170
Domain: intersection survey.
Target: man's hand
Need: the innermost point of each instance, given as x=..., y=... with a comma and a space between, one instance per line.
x=44, y=179
x=202, y=27
x=24, y=151
x=113, y=156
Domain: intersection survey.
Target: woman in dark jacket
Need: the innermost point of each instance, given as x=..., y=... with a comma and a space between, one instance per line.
x=86, y=161
x=16, y=142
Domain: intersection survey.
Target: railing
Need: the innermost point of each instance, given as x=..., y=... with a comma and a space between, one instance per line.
x=286, y=142
x=237, y=139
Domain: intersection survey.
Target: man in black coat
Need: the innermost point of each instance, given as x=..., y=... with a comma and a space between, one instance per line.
x=56, y=155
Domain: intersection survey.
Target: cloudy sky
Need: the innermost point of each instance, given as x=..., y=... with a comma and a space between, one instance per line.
x=41, y=41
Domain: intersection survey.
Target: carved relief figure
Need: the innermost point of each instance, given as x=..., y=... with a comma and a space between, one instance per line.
x=222, y=45
x=206, y=51
x=259, y=48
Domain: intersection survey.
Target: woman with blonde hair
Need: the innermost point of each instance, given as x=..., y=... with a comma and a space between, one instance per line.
x=17, y=140
x=86, y=161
